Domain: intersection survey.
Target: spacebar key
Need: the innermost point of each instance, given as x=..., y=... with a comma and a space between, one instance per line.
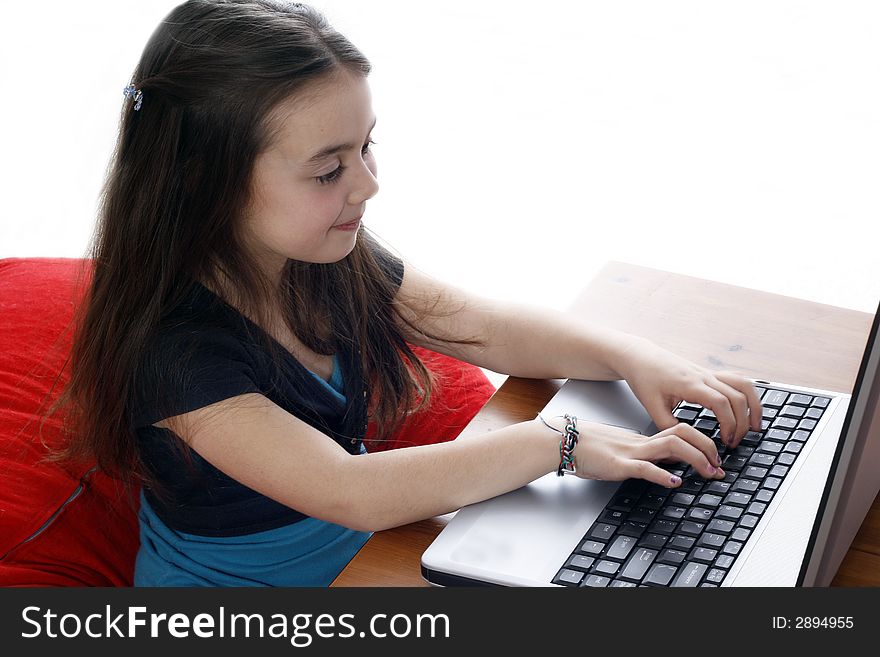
x=690, y=574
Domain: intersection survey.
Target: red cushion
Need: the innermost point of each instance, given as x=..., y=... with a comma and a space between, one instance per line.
x=70, y=525
x=461, y=390
x=93, y=537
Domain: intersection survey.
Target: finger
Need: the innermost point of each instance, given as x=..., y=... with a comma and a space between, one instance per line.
x=637, y=469
x=756, y=411
x=740, y=406
x=719, y=404
x=674, y=446
x=696, y=438
x=660, y=412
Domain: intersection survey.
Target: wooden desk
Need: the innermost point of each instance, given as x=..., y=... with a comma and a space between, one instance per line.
x=761, y=335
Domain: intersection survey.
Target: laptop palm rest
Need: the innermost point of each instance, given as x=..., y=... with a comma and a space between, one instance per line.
x=523, y=536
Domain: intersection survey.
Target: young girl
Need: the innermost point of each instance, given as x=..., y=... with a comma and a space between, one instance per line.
x=242, y=325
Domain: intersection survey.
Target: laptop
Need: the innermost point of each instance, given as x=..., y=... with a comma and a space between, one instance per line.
x=794, y=497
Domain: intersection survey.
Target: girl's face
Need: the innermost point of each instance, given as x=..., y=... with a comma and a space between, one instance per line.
x=310, y=187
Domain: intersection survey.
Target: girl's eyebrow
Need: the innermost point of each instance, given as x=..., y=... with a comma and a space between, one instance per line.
x=332, y=150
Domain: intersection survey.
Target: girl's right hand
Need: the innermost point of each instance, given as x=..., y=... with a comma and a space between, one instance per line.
x=614, y=454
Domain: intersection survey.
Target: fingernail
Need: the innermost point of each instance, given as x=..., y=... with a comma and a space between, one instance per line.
x=718, y=459
x=721, y=472
x=712, y=469
x=675, y=480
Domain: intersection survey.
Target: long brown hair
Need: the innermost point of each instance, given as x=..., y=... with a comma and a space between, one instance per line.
x=170, y=211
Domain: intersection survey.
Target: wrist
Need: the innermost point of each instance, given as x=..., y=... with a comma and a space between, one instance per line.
x=624, y=354
x=564, y=431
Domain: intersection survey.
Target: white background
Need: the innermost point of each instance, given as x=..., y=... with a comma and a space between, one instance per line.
x=522, y=145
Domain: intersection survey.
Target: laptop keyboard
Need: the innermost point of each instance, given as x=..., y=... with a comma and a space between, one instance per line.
x=691, y=535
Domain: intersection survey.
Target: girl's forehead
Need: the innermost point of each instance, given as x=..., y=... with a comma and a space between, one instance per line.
x=335, y=110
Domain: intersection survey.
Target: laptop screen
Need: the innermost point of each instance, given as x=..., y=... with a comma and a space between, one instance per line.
x=854, y=478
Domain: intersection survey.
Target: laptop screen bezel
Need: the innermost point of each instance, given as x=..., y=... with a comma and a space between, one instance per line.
x=817, y=546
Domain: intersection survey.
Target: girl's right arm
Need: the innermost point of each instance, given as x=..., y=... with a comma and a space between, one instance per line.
x=264, y=447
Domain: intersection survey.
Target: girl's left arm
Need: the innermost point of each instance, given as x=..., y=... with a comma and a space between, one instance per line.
x=518, y=339
x=529, y=342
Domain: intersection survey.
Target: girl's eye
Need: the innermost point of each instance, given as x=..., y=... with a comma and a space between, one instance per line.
x=333, y=176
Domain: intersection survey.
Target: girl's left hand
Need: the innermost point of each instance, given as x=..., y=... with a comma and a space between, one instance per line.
x=660, y=380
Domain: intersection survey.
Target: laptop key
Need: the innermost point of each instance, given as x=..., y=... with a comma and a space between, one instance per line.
x=596, y=581
x=723, y=561
x=652, y=541
x=718, y=526
x=715, y=576
x=674, y=512
x=568, y=577
x=794, y=447
x=746, y=485
x=774, y=398
x=808, y=425
x=602, y=531
x=784, y=423
x=705, y=555
x=734, y=462
x=800, y=436
x=673, y=557
x=813, y=413
x=764, y=495
x=642, y=515
x=661, y=526
x=754, y=472
x=619, y=583
x=748, y=521
x=727, y=512
x=821, y=402
x=792, y=411
x=580, y=561
x=709, y=500
x=683, y=543
x=685, y=415
x=591, y=547
x=738, y=499
x=717, y=487
x=786, y=458
x=660, y=574
x=683, y=499
x=630, y=528
x=771, y=446
x=752, y=438
x=691, y=528
x=690, y=574
x=706, y=426
x=772, y=483
x=800, y=400
x=757, y=508
x=779, y=471
x=732, y=548
x=621, y=547
x=741, y=534
x=762, y=460
x=622, y=503
x=638, y=564
x=711, y=540
x=611, y=517
x=699, y=513
x=606, y=567
x=651, y=501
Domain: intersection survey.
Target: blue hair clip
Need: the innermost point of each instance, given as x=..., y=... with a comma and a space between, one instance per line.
x=135, y=94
